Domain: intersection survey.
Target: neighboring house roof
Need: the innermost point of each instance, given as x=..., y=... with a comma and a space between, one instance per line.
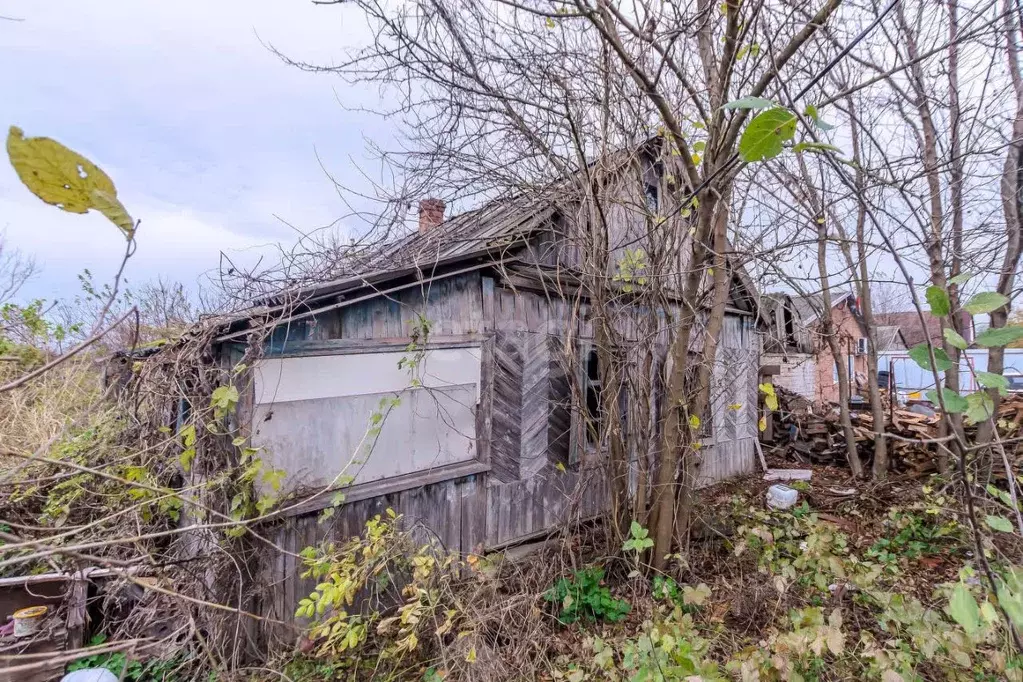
x=889, y=338
x=914, y=333
x=807, y=307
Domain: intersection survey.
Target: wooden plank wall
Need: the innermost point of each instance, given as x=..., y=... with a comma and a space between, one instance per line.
x=453, y=306
x=535, y=505
x=733, y=404
x=525, y=494
x=451, y=512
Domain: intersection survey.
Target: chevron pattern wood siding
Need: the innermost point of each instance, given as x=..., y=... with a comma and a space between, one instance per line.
x=535, y=406
x=506, y=419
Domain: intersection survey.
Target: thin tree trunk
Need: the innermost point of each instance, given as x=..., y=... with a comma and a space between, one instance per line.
x=705, y=376
x=828, y=326
x=1012, y=208
x=673, y=444
x=880, y=465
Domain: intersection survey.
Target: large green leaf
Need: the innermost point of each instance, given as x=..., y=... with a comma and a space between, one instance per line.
x=963, y=608
x=766, y=133
x=1001, y=336
x=921, y=357
x=985, y=302
x=64, y=178
x=749, y=103
x=992, y=380
x=1011, y=599
x=938, y=300
x=953, y=337
x=999, y=523
x=954, y=403
x=980, y=407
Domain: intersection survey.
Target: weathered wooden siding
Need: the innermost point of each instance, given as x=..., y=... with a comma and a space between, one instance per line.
x=733, y=404
x=506, y=425
x=547, y=500
x=453, y=306
x=525, y=419
x=451, y=512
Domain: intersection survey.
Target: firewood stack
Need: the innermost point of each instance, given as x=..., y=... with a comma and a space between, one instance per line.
x=812, y=434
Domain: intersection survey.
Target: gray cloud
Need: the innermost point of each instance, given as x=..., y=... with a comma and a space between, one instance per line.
x=205, y=132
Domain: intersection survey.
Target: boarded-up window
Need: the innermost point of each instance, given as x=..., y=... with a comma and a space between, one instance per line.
x=314, y=415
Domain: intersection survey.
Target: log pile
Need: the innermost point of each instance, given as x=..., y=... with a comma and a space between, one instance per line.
x=812, y=434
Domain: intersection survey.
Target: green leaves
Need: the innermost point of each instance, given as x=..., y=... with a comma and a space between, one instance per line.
x=1001, y=336
x=980, y=407
x=921, y=357
x=65, y=179
x=749, y=103
x=954, y=403
x=223, y=400
x=938, y=300
x=985, y=302
x=818, y=147
x=964, y=610
x=998, y=523
x=814, y=115
x=990, y=380
x=766, y=133
x=187, y=455
x=639, y=541
x=953, y=337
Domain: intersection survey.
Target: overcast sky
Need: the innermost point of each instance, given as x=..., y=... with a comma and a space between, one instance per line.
x=206, y=134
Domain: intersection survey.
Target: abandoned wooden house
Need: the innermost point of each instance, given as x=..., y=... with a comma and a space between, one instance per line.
x=486, y=445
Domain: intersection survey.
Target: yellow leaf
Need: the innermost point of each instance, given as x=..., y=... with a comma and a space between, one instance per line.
x=550, y=22
x=735, y=406
x=560, y=466
x=471, y=656
x=771, y=401
x=694, y=422
x=696, y=159
x=762, y=424
x=64, y=178
x=114, y=210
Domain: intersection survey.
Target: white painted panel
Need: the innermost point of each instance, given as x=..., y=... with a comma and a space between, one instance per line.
x=314, y=415
x=330, y=376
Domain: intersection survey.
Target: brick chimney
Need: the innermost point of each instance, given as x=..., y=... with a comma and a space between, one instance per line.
x=431, y=214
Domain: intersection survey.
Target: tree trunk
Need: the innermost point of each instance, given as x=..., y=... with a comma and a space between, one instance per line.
x=1012, y=208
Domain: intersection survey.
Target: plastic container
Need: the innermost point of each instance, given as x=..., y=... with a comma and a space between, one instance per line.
x=781, y=497
x=28, y=621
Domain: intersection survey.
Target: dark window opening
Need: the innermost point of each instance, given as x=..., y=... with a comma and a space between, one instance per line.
x=593, y=408
x=790, y=330
x=652, y=198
